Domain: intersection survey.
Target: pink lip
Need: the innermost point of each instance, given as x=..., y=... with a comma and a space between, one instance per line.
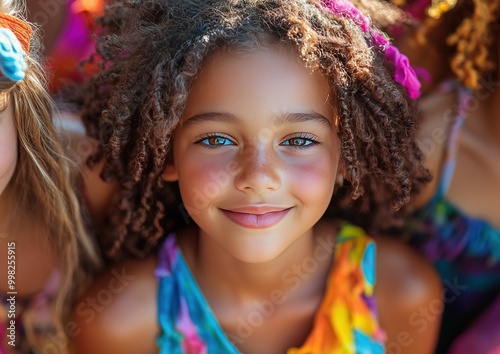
x=256, y=217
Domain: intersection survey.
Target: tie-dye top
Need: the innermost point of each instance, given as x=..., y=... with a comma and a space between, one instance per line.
x=464, y=249
x=346, y=320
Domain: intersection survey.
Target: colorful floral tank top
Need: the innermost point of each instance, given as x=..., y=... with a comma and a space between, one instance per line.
x=465, y=250
x=345, y=322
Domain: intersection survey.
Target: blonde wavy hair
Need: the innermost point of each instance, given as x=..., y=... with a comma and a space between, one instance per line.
x=42, y=182
x=473, y=39
x=465, y=39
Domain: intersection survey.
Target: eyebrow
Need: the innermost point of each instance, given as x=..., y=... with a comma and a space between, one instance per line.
x=302, y=117
x=280, y=119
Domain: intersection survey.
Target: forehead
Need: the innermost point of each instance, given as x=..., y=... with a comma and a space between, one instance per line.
x=272, y=77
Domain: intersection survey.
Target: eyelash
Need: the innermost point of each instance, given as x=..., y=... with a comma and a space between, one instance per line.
x=310, y=139
x=302, y=136
x=208, y=136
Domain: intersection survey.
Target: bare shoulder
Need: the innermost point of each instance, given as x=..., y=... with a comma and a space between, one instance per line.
x=409, y=297
x=118, y=312
x=405, y=272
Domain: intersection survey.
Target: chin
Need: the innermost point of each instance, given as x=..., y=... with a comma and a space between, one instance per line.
x=256, y=255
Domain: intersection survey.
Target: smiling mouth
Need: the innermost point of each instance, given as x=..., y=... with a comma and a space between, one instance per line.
x=256, y=221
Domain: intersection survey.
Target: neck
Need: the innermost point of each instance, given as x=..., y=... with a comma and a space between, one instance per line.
x=296, y=271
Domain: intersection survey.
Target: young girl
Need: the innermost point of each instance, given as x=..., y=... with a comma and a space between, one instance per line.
x=457, y=225
x=226, y=125
x=42, y=234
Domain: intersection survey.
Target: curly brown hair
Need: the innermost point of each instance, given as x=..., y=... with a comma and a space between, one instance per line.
x=152, y=50
x=462, y=43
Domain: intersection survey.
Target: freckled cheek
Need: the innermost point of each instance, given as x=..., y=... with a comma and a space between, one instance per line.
x=313, y=180
x=207, y=176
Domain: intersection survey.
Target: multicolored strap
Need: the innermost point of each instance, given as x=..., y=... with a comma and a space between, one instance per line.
x=346, y=321
x=464, y=96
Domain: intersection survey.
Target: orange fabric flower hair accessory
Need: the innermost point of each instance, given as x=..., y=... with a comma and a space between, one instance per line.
x=20, y=28
x=15, y=36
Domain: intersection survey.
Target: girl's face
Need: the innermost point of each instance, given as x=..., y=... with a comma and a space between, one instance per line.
x=256, y=154
x=8, y=141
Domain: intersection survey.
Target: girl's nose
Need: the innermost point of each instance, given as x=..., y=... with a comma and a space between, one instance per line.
x=259, y=172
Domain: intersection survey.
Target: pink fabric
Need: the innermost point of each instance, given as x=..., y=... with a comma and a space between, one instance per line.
x=418, y=8
x=75, y=43
x=483, y=336
x=403, y=72
x=192, y=343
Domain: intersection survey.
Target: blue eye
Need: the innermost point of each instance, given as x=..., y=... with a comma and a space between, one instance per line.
x=299, y=142
x=215, y=141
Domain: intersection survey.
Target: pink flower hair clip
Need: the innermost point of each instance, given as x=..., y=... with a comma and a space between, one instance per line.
x=403, y=72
